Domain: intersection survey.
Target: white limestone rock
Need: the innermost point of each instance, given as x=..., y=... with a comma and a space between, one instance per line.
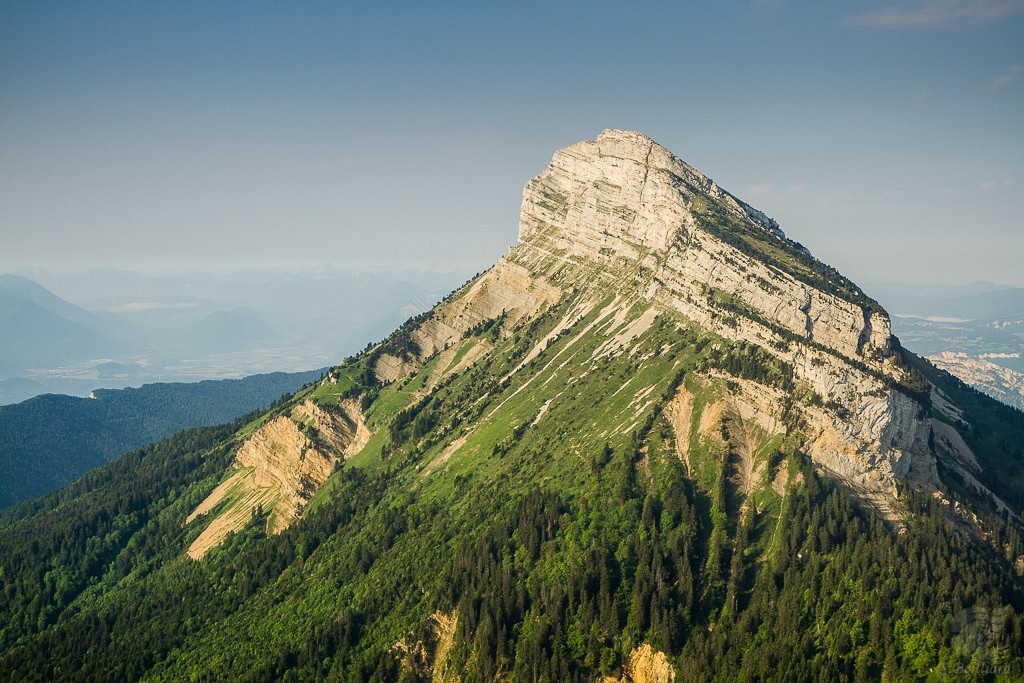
x=618, y=211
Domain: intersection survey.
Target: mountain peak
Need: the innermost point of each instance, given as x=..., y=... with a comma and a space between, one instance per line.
x=624, y=185
x=622, y=216
x=623, y=210
x=598, y=460
x=620, y=241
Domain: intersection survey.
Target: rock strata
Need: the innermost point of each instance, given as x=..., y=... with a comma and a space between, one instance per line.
x=279, y=468
x=622, y=210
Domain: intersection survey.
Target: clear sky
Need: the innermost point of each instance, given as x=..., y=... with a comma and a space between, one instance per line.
x=885, y=135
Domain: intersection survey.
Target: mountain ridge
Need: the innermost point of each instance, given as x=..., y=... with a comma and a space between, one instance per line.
x=612, y=455
x=684, y=268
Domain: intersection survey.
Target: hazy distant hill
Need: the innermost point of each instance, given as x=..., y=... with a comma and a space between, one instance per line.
x=129, y=329
x=18, y=389
x=16, y=290
x=39, y=329
x=50, y=440
x=1002, y=305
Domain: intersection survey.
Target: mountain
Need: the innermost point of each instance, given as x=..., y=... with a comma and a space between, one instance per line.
x=50, y=440
x=39, y=329
x=198, y=326
x=16, y=291
x=929, y=298
x=975, y=332
x=18, y=389
x=1004, y=305
x=658, y=440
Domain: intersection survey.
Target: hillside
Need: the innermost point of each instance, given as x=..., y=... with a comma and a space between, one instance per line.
x=997, y=381
x=38, y=328
x=50, y=440
x=656, y=441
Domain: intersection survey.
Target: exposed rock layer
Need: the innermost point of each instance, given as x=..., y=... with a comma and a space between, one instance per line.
x=279, y=469
x=645, y=665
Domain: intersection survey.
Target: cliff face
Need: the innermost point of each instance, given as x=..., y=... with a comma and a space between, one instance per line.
x=622, y=188
x=279, y=468
x=626, y=208
x=623, y=215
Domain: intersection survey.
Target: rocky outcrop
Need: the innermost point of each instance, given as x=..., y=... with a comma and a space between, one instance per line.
x=645, y=665
x=623, y=214
x=279, y=468
x=427, y=658
x=506, y=290
x=1000, y=383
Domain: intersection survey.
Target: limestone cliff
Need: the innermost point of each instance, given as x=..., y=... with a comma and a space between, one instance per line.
x=623, y=207
x=625, y=210
x=621, y=214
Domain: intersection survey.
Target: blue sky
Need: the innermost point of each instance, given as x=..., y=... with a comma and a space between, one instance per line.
x=887, y=136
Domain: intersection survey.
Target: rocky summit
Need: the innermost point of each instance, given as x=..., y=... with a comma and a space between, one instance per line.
x=656, y=440
x=625, y=213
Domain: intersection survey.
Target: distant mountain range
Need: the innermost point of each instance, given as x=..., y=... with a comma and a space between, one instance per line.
x=126, y=329
x=974, y=331
x=39, y=329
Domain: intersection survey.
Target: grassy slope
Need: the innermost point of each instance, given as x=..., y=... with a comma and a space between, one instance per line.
x=503, y=455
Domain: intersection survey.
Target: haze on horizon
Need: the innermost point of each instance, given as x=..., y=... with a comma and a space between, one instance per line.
x=884, y=135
